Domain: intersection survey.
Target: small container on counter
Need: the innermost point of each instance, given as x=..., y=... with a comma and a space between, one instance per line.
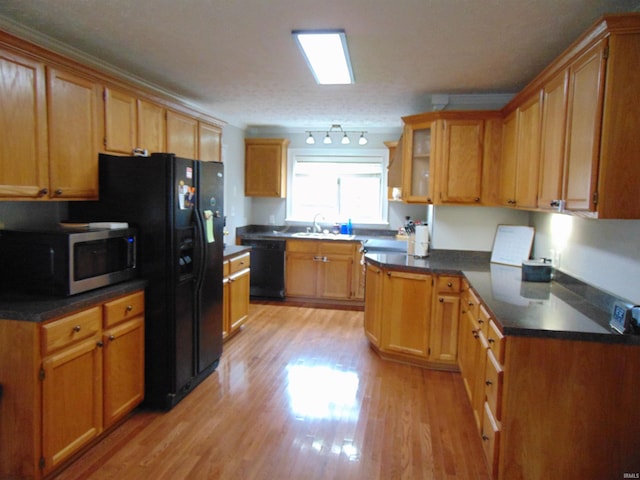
x=539, y=270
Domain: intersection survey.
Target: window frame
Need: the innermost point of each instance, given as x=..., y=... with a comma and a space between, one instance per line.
x=376, y=153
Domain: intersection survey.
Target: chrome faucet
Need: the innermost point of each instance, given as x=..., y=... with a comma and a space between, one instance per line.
x=316, y=227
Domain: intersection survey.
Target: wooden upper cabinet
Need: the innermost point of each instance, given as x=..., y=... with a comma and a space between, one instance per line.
x=209, y=142
x=417, y=172
x=520, y=158
x=528, y=152
x=182, y=135
x=24, y=159
x=460, y=155
x=151, y=127
x=586, y=77
x=554, y=115
x=120, y=122
x=75, y=126
x=131, y=124
x=265, y=167
x=507, y=172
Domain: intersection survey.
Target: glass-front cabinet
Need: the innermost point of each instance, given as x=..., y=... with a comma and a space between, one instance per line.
x=417, y=178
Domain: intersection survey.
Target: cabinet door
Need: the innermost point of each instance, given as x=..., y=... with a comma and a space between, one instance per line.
x=417, y=181
x=151, y=127
x=182, y=135
x=265, y=168
x=71, y=401
x=554, y=110
x=373, y=304
x=443, y=340
x=24, y=160
x=239, y=284
x=584, y=117
x=528, y=152
x=120, y=126
x=74, y=106
x=460, y=151
x=209, y=142
x=334, y=276
x=226, y=295
x=123, y=369
x=406, y=312
x=507, y=188
x=301, y=274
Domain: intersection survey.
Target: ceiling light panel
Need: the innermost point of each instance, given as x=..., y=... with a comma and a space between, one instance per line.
x=326, y=54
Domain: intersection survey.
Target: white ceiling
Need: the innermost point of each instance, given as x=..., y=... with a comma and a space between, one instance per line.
x=237, y=59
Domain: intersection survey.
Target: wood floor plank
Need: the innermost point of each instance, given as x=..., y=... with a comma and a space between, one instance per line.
x=299, y=394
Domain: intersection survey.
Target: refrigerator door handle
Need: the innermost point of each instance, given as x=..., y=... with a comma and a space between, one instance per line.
x=202, y=249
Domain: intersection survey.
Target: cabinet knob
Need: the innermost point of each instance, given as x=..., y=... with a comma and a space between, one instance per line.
x=77, y=328
x=485, y=438
x=471, y=304
x=488, y=383
x=129, y=308
x=490, y=340
x=441, y=300
x=111, y=338
x=477, y=199
x=43, y=192
x=429, y=200
x=449, y=284
x=58, y=191
x=100, y=344
x=480, y=321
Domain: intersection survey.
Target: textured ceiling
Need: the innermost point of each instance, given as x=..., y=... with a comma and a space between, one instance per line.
x=237, y=59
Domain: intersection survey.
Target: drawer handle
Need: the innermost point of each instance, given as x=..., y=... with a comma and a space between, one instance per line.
x=485, y=438
x=488, y=383
x=480, y=321
x=129, y=308
x=490, y=340
x=77, y=328
x=449, y=284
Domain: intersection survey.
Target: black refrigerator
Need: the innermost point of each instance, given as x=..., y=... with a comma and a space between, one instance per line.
x=176, y=204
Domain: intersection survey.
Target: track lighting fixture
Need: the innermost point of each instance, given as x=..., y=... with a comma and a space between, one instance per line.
x=337, y=129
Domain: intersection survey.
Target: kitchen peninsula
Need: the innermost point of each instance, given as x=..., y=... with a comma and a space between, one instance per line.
x=528, y=354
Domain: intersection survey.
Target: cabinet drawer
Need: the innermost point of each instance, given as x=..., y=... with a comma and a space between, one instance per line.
x=225, y=268
x=306, y=246
x=345, y=248
x=483, y=320
x=496, y=341
x=68, y=330
x=448, y=284
x=123, y=308
x=493, y=384
x=470, y=303
x=490, y=439
x=239, y=263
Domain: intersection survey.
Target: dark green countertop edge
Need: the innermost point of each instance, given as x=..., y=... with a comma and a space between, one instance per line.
x=36, y=308
x=589, y=303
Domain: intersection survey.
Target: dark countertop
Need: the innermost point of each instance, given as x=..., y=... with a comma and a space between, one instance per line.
x=233, y=250
x=534, y=309
x=37, y=308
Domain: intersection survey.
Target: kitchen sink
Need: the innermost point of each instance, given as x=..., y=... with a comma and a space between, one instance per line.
x=324, y=236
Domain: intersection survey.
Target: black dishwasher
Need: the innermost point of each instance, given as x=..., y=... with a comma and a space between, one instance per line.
x=267, y=267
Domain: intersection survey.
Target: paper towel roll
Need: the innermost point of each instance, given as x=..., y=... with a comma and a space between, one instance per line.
x=421, y=248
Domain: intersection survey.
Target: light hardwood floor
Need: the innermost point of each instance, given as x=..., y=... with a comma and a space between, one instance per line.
x=299, y=394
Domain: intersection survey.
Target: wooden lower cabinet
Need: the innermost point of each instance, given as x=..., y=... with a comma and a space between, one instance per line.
x=322, y=269
x=405, y=320
x=406, y=313
x=66, y=381
x=236, y=286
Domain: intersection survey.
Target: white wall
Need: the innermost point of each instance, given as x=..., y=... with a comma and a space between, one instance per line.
x=236, y=206
x=603, y=253
x=470, y=228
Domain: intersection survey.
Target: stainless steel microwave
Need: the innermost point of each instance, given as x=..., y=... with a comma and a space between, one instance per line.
x=66, y=262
